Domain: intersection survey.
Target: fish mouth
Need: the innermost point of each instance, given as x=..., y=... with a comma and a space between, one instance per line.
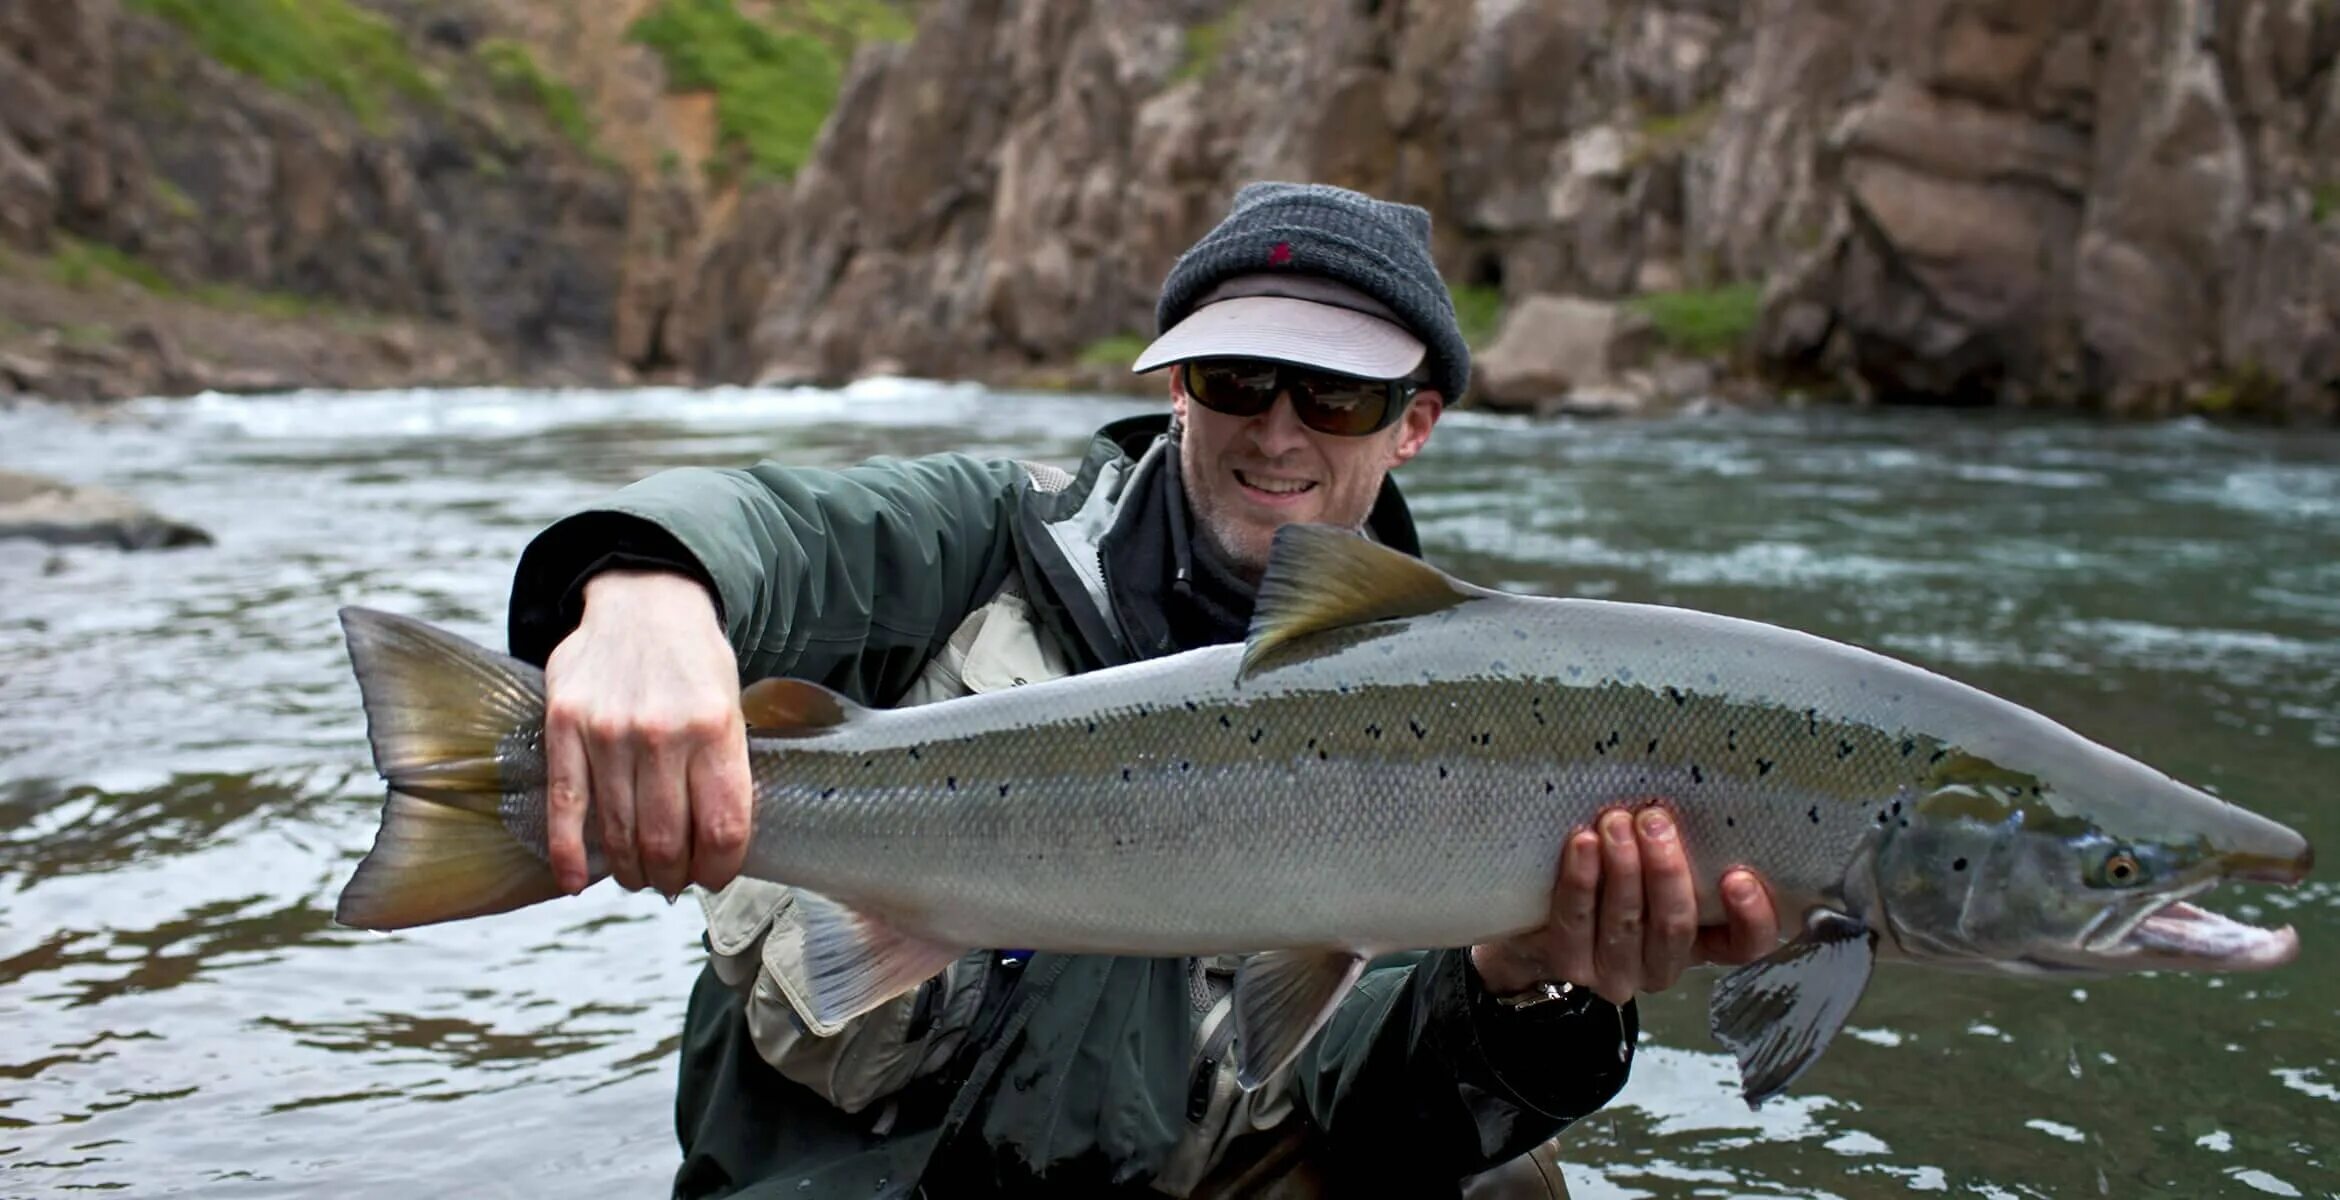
x=2182, y=936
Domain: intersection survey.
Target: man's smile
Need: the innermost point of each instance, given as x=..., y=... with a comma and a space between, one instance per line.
x=1271, y=489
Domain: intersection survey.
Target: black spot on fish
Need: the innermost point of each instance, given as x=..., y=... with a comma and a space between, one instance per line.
x=1125, y=774
x=1958, y=864
x=1908, y=747
x=1190, y=707
x=1614, y=740
x=1675, y=694
x=867, y=763
x=1442, y=771
x=1003, y=789
x=1547, y=787
x=1897, y=808
x=1763, y=766
x=913, y=754
x=952, y=783
x=1539, y=717
x=1224, y=723
x=1844, y=750
x=1696, y=775
x=828, y=792
x=1322, y=756
x=1731, y=740
x=1373, y=731
x=1519, y=635
x=1416, y=726
x=1732, y=822
x=1939, y=755
x=1600, y=747
x=1812, y=721
x=1653, y=745
x=1881, y=817
x=1312, y=743
x=1814, y=813
x=1257, y=734
x=1184, y=765
x=1092, y=727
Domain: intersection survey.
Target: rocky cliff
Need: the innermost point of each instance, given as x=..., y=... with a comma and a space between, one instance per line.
x=2127, y=204
x=2131, y=205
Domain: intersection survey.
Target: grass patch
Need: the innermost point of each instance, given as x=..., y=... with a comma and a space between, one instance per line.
x=1479, y=311
x=517, y=76
x=1707, y=322
x=1118, y=351
x=774, y=83
x=1199, y=51
x=324, y=48
x=77, y=263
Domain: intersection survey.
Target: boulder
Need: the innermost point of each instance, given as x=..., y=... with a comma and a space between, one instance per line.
x=1551, y=346
x=60, y=514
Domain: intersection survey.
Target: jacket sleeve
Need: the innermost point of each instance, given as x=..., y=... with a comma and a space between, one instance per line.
x=852, y=578
x=1420, y=1056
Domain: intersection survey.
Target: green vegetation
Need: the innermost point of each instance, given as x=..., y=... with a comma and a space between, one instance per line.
x=307, y=47
x=2325, y=202
x=1665, y=135
x=2245, y=390
x=78, y=263
x=517, y=76
x=1201, y=50
x=774, y=83
x=1479, y=310
x=1706, y=322
x=1118, y=351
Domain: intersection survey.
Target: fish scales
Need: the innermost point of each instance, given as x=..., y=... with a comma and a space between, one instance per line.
x=1385, y=768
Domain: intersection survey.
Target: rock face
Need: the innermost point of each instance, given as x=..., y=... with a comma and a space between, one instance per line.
x=117, y=131
x=60, y=514
x=2123, y=203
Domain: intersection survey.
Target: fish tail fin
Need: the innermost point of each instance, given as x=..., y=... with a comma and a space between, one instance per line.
x=455, y=729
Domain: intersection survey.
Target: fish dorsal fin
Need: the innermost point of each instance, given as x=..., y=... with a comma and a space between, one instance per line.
x=792, y=708
x=1320, y=577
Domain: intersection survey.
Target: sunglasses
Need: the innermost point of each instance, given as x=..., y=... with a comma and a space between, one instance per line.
x=1341, y=405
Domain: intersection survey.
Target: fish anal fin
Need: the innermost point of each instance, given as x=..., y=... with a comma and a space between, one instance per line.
x=837, y=963
x=1320, y=577
x=1777, y=1014
x=1282, y=998
x=792, y=708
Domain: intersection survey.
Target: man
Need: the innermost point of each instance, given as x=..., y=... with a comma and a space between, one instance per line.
x=1312, y=347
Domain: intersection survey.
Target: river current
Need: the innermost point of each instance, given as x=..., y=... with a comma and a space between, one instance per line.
x=184, y=783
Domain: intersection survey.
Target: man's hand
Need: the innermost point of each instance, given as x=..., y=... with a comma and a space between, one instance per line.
x=1625, y=916
x=642, y=718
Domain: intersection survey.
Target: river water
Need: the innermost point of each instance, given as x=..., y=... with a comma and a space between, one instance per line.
x=184, y=784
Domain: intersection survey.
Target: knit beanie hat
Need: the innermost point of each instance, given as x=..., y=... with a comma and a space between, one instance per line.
x=1317, y=275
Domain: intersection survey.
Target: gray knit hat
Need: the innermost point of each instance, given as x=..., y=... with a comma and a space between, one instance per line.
x=1377, y=248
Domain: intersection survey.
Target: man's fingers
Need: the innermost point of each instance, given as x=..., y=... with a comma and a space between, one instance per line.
x=612, y=765
x=722, y=809
x=1617, y=952
x=567, y=782
x=662, y=819
x=1672, y=896
x=1576, y=899
x=1753, y=930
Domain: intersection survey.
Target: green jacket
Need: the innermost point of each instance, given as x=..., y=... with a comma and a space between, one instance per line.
x=1067, y=1074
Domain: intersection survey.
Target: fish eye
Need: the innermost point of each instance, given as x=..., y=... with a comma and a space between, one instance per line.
x=2120, y=869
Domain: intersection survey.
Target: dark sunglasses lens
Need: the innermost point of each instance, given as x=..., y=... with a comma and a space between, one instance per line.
x=1340, y=405
x=1239, y=390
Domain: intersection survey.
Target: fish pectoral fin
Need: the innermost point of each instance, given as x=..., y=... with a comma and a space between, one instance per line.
x=1319, y=578
x=1779, y=1012
x=836, y=963
x=792, y=708
x=1282, y=998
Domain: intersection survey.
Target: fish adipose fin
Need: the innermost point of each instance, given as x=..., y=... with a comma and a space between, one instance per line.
x=1319, y=578
x=444, y=717
x=1778, y=1013
x=848, y=962
x=1282, y=998
x=793, y=708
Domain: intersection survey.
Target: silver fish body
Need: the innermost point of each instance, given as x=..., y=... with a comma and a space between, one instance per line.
x=1392, y=761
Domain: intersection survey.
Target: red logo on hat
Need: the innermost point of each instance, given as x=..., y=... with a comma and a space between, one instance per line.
x=1281, y=254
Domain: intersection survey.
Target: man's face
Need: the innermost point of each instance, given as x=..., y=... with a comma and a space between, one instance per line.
x=1248, y=476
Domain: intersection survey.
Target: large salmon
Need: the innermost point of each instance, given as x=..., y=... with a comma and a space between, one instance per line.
x=1391, y=761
